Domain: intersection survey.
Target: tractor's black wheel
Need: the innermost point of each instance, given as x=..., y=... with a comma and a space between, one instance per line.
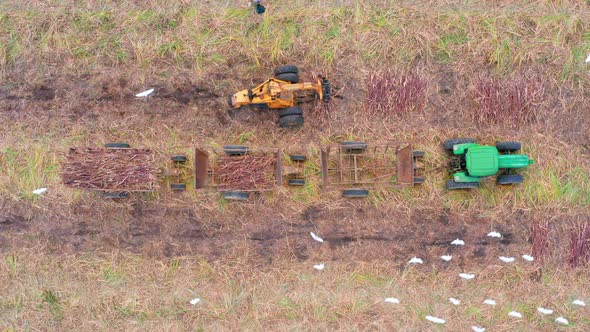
x=115, y=195
x=508, y=146
x=451, y=185
x=448, y=144
x=286, y=69
x=117, y=145
x=418, y=154
x=236, y=195
x=353, y=147
x=355, y=193
x=510, y=179
x=291, y=121
x=297, y=157
x=178, y=159
x=178, y=186
x=288, y=77
x=235, y=150
x=229, y=101
x=295, y=110
x=296, y=182
x=326, y=90
x=419, y=180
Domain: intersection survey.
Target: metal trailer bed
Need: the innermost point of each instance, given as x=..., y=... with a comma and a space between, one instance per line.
x=205, y=160
x=354, y=167
x=174, y=171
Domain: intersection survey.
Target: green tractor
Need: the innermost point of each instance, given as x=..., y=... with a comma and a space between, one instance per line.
x=470, y=162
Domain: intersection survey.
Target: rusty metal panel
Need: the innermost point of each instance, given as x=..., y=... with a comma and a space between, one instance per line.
x=279, y=174
x=201, y=164
x=324, y=162
x=405, y=166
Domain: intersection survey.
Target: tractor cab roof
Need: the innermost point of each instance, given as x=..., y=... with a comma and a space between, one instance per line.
x=482, y=160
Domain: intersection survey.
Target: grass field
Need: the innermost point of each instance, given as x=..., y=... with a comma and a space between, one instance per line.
x=72, y=261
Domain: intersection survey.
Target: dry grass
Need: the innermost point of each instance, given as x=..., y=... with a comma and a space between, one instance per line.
x=110, y=169
x=249, y=172
x=132, y=292
x=393, y=94
x=510, y=102
x=69, y=76
x=580, y=245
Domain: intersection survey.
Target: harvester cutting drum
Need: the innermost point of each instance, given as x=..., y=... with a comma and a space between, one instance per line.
x=283, y=92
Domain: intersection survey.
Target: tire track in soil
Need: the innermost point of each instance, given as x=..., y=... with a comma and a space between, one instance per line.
x=350, y=234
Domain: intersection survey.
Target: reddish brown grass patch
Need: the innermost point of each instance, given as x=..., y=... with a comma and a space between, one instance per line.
x=393, y=93
x=510, y=102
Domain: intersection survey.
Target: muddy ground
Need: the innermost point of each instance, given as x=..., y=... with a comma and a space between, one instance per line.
x=105, y=108
x=353, y=231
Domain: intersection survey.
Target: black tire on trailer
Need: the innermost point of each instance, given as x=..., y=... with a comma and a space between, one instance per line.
x=297, y=182
x=179, y=158
x=452, y=185
x=355, y=147
x=448, y=144
x=286, y=69
x=117, y=145
x=115, y=195
x=288, y=77
x=236, y=195
x=177, y=186
x=418, y=154
x=294, y=110
x=509, y=179
x=419, y=180
x=235, y=150
x=355, y=193
x=508, y=146
x=291, y=121
x=297, y=157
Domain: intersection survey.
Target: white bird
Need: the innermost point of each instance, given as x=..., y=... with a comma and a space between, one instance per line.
x=458, y=242
x=145, y=93
x=561, y=320
x=506, y=259
x=39, y=191
x=494, y=234
x=588, y=58
x=315, y=237
x=467, y=276
x=435, y=320
x=545, y=311
x=515, y=314
x=579, y=302
x=528, y=258
x=454, y=301
x=478, y=329
x=392, y=300
x=446, y=258
x=195, y=301
x=319, y=266
x=416, y=260
x=489, y=302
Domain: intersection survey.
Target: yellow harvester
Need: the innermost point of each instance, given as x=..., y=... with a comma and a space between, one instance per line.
x=283, y=92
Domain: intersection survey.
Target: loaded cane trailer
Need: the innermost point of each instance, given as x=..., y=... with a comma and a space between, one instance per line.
x=117, y=170
x=355, y=167
x=238, y=170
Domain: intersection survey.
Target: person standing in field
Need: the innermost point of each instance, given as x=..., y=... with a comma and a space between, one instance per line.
x=260, y=9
